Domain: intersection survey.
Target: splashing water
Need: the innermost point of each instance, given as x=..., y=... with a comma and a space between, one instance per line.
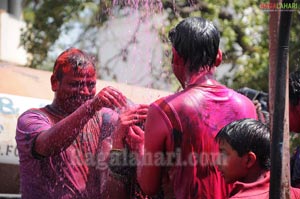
x=148, y=5
x=138, y=43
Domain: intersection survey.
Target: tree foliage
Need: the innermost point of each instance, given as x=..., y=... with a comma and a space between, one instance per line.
x=243, y=26
x=44, y=25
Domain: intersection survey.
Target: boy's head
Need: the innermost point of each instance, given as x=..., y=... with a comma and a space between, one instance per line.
x=244, y=146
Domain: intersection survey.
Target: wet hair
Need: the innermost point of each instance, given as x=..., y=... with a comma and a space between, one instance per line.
x=196, y=40
x=248, y=135
x=294, y=88
x=71, y=58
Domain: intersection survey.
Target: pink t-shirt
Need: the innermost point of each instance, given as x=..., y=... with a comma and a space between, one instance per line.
x=201, y=111
x=74, y=172
x=259, y=189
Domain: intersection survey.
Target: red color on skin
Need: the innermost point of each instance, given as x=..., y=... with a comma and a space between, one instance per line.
x=179, y=71
x=203, y=108
x=219, y=58
x=73, y=80
x=74, y=88
x=75, y=99
x=129, y=118
x=63, y=62
x=231, y=165
x=68, y=128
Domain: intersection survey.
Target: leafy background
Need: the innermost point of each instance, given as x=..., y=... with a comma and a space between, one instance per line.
x=243, y=25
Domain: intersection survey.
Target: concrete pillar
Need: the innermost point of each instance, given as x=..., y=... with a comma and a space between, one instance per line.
x=4, y=5
x=15, y=8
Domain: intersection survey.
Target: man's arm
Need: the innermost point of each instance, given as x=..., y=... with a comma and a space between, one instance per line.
x=156, y=134
x=152, y=142
x=63, y=133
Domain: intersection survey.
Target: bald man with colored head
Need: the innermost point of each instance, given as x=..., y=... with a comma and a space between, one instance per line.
x=59, y=143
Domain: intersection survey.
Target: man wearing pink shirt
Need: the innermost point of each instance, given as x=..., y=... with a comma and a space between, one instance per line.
x=59, y=144
x=177, y=152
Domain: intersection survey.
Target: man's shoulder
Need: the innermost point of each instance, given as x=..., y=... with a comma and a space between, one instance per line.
x=240, y=100
x=171, y=99
x=33, y=112
x=32, y=116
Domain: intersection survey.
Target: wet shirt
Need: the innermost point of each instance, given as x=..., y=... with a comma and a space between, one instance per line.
x=70, y=174
x=200, y=112
x=259, y=189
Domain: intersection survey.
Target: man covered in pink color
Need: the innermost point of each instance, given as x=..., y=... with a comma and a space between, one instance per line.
x=177, y=153
x=60, y=144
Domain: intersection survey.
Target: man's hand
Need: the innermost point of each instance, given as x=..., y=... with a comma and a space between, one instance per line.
x=129, y=116
x=109, y=97
x=135, y=139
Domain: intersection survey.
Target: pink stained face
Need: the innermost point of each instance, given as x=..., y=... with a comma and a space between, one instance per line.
x=76, y=87
x=230, y=164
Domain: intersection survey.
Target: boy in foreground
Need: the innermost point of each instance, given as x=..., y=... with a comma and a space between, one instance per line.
x=244, y=159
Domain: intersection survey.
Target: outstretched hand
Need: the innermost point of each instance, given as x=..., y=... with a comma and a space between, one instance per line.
x=109, y=97
x=128, y=120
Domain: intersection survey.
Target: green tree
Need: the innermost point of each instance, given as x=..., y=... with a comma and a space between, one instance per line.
x=243, y=26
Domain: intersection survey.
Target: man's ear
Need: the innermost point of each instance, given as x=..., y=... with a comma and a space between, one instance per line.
x=54, y=83
x=177, y=59
x=219, y=57
x=178, y=66
x=250, y=159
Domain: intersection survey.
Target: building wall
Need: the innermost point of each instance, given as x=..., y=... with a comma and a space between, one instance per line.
x=10, y=31
x=13, y=7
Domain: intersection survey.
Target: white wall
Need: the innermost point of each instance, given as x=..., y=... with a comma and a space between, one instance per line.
x=10, y=31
